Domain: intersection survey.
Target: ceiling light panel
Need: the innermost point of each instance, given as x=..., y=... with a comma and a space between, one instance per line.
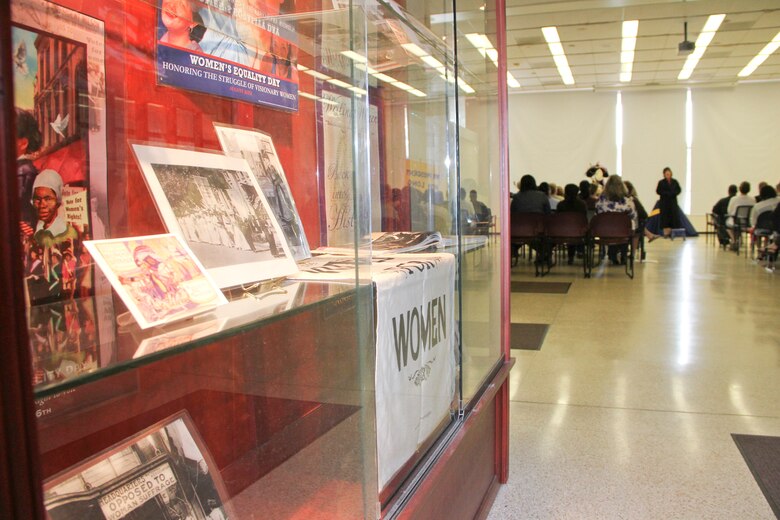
x=556, y=49
x=628, y=45
x=759, y=58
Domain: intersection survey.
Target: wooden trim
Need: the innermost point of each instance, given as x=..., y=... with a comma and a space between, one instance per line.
x=20, y=491
x=487, y=404
x=487, y=501
x=502, y=403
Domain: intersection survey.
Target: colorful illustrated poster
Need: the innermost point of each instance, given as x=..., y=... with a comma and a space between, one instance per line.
x=239, y=49
x=157, y=277
x=258, y=150
x=338, y=167
x=64, y=339
x=59, y=97
x=214, y=203
x=163, y=472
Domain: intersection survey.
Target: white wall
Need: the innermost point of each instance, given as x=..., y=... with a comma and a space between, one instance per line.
x=556, y=136
x=653, y=138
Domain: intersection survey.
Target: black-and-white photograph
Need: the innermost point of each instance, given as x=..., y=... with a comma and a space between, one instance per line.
x=163, y=472
x=258, y=150
x=215, y=204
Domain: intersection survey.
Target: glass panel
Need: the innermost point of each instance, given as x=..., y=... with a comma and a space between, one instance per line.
x=230, y=124
x=247, y=331
x=410, y=70
x=480, y=192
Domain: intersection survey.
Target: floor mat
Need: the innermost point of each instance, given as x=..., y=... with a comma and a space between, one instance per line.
x=527, y=336
x=762, y=456
x=541, y=287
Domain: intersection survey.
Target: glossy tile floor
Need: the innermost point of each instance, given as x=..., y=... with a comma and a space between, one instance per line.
x=627, y=410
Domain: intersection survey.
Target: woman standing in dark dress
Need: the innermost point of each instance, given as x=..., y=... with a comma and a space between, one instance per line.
x=667, y=190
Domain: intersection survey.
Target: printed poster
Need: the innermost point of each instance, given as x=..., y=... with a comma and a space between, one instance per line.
x=215, y=204
x=59, y=97
x=238, y=49
x=163, y=472
x=339, y=169
x=259, y=152
x=157, y=277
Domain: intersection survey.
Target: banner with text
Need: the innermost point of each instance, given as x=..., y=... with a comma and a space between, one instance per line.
x=229, y=51
x=415, y=356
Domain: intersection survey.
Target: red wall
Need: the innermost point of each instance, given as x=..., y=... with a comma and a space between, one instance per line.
x=139, y=110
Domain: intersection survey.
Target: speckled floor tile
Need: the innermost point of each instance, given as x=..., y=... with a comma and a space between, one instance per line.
x=628, y=410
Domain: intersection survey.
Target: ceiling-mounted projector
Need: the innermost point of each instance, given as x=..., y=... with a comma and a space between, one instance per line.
x=685, y=47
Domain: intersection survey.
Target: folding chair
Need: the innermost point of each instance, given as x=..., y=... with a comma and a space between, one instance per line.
x=528, y=229
x=570, y=229
x=612, y=229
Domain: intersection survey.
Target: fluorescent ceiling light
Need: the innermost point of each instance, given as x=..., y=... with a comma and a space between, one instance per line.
x=339, y=83
x=354, y=56
x=366, y=68
x=465, y=87
x=759, y=58
x=704, y=39
x=414, y=49
x=511, y=81
x=317, y=98
x=493, y=55
x=448, y=79
x=556, y=49
x=383, y=77
x=358, y=90
x=418, y=93
x=402, y=86
x=551, y=34
x=302, y=67
x=630, y=31
x=432, y=62
x=318, y=75
x=480, y=41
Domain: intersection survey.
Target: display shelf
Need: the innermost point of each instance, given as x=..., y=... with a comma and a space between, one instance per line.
x=74, y=344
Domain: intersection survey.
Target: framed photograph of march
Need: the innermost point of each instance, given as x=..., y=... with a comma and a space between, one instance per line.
x=215, y=204
x=164, y=471
x=258, y=150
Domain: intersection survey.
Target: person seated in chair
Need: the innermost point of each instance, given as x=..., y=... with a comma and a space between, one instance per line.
x=481, y=211
x=529, y=200
x=743, y=199
x=615, y=199
x=720, y=211
x=572, y=203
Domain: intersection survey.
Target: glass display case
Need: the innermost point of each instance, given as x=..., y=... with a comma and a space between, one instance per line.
x=254, y=259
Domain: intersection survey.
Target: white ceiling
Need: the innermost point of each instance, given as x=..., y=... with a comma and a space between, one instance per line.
x=590, y=31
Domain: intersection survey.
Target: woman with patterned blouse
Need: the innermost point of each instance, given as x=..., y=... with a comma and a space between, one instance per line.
x=615, y=199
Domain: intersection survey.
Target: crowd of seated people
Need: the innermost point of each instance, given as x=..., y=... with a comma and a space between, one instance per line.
x=728, y=229
x=609, y=194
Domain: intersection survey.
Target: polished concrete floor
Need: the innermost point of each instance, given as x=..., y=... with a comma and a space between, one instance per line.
x=627, y=410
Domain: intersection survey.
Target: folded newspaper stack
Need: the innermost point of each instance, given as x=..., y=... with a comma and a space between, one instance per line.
x=394, y=242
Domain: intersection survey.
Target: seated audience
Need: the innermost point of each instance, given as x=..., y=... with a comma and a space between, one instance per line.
x=769, y=200
x=743, y=199
x=529, y=199
x=572, y=203
x=615, y=199
x=545, y=188
x=481, y=211
x=720, y=210
x=761, y=185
